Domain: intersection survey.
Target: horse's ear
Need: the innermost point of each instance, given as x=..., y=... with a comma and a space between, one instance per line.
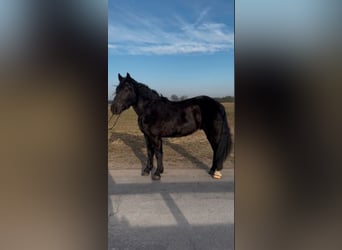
x=120, y=77
x=128, y=76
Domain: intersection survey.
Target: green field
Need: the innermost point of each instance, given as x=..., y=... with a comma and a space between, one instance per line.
x=127, y=150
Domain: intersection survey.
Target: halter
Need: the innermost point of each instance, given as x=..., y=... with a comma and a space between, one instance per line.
x=114, y=122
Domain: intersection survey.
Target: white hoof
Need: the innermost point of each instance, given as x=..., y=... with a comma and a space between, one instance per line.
x=217, y=175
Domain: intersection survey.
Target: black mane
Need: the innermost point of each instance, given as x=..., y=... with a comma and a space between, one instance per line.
x=145, y=92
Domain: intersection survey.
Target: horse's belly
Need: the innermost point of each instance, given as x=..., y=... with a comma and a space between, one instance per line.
x=174, y=124
x=176, y=130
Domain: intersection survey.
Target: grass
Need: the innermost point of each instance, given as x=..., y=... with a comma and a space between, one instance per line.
x=127, y=150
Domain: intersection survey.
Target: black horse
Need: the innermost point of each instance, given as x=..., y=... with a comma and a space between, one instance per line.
x=158, y=117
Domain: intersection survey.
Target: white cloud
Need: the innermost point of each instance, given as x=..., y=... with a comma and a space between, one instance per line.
x=112, y=46
x=178, y=48
x=139, y=35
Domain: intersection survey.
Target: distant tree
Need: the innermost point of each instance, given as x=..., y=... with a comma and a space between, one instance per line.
x=183, y=97
x=225, y=99
x=174, y=98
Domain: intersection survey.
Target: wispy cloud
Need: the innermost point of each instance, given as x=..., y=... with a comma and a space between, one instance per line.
x=112, y=46
x=141, y=35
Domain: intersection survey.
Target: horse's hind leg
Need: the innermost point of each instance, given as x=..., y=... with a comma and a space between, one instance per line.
x=150, y=154
x=213, y=138
x=215, y=170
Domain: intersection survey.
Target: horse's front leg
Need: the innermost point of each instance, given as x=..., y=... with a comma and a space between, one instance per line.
x=158, y=147
x=150, y=154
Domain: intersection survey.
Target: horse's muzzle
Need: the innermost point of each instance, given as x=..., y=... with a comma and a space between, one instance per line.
x=114, y=110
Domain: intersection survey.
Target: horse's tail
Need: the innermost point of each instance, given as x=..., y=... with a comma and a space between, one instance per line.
x=225, y=141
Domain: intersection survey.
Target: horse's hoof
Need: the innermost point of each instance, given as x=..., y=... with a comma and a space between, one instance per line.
x=144, y=173
x=156, y=177
x=216, y=175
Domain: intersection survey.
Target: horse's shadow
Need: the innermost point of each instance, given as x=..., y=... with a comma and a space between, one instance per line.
x=135, y=142
x=138, y=146
x=180, y=150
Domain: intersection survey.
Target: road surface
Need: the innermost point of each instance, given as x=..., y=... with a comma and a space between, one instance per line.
x=187, y=209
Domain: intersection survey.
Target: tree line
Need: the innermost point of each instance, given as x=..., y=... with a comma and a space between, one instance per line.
x=219, y=99
x=225, y=99
x=177, y=98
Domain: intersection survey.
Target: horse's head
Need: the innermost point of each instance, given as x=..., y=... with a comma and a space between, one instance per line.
x=124, y=95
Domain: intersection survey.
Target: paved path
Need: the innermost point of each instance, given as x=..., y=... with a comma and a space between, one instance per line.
x=187, y=209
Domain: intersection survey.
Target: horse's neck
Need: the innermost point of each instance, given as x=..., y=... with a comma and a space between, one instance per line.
x=144, y=97
x=140, y=105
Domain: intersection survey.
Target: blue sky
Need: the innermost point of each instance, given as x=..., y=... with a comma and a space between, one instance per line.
x=175, y=47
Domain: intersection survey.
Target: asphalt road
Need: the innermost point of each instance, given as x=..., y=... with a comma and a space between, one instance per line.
x=187, y=209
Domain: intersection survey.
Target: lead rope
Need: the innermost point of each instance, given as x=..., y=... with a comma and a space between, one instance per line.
x=117, y=118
